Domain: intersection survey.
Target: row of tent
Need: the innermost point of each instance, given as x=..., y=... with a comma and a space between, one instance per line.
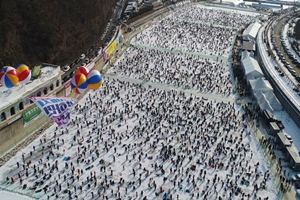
x=261, y=88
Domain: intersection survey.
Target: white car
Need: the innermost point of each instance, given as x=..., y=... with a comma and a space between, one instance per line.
x=66, y=68
x=82, y=56
x=87, y=61
x=288, y=137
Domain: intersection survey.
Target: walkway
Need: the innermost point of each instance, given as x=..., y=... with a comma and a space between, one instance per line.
x=211, y=96
x=202, y=22
x=181, y=52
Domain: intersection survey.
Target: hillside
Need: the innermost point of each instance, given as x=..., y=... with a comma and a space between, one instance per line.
x=56, y=31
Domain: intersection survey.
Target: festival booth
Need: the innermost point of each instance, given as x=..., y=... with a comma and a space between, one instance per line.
x=251, y=31
x=249, y=36
x=251, y=68
x=244, y=54
x=274, y=102
x=260, y=85
x=267, y=100
x=266, y=106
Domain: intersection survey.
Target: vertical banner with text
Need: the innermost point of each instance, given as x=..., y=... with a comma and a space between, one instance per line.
x=67, y=88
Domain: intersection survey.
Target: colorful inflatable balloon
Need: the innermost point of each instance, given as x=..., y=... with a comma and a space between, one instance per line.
x=3, y=70
x=24, y=74
x=10, y=77
x=79, y=83
x=94, y=79
x=82, y=70
x=6, y=68
x=1, y=73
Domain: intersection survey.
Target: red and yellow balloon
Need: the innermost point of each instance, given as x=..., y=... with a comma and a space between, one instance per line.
x=79, y=83
x=24, y=74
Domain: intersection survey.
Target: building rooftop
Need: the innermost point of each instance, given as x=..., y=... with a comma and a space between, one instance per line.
x=251, y=31
x=9, y=96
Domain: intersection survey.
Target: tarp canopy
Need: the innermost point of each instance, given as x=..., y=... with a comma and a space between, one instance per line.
x=261, y=100
x=268, y=97
x=251, y=31
x=244, y=54
x=266, y=106
x=251, y=77
x=249, y=45
x=252, y=68
x=269, y=94
x=260, y=85
x=258, y=95
x=274, y=102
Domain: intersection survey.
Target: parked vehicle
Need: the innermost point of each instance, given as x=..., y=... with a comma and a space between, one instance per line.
x=82, y=56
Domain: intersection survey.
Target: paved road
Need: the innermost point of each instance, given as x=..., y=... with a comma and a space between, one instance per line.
x=279, y=44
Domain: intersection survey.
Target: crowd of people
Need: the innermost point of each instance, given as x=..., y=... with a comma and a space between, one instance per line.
x=213, y=16
x=127, y=141
x=212, y=33
x=171, y=33
x=190, y=72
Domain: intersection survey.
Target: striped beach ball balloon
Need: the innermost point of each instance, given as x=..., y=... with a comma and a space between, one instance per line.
x=3, y=70
x=82, y=70
x=24, y=73
x=79, y=83
x=94, y=79
x=1, y=73
x=10, y=77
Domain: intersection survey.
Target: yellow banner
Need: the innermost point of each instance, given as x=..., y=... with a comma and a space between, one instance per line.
x=111, y=48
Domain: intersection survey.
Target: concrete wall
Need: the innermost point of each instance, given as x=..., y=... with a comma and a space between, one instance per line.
x=16, y=132
x=13, y=131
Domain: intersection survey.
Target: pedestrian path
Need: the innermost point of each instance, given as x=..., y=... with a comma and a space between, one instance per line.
x=204, y=95
x=181, y=52
x=203, y=22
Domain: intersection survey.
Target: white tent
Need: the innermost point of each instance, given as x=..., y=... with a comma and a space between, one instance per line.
x=276, y=105
x=251, y=77
x=244, y=54
x=258, y=95
x=269, y=98
x=249, y=45
x=260, y=85
x=251, y=31
x=252, y=68
x=261, y=100
x=269, y=94
x=266, y=106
